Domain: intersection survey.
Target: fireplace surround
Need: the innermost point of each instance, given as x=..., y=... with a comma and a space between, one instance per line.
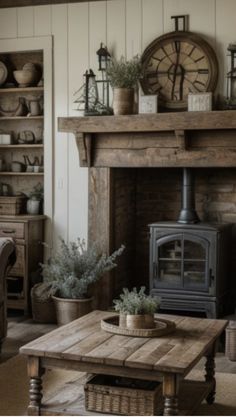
x=135, y=168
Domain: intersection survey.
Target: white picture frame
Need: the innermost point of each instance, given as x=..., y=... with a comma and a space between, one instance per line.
x=200, y=101
x=148, y=104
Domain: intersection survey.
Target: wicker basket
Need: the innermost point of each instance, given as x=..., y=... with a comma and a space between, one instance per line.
x=12, y=205
x=230, y=348
x=43, y=309
x=124, y=396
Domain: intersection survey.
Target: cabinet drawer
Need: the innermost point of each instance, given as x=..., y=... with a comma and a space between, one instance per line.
x=19, y=267
x=16, y=230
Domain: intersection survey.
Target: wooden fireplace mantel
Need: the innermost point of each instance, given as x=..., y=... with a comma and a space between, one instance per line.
x=184, y=139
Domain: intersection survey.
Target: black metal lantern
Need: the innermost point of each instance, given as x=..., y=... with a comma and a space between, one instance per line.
x=103, y=57
x=231, y=78
x=90, y=93
x=103, y=60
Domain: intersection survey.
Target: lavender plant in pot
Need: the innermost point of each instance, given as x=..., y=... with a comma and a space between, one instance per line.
x=123, y=76
x=136, y=309
x=71, y=271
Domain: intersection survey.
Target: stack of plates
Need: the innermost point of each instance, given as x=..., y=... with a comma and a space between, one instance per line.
x=3, y=73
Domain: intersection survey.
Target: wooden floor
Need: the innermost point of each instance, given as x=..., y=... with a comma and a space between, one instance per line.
x=22, y=331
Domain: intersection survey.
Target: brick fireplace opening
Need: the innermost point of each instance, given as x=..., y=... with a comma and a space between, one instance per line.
x=142, y=196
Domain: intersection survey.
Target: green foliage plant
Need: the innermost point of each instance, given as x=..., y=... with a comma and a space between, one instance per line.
x=37, y=192
x=74, y=268
x=124, y=73
x=136, y=302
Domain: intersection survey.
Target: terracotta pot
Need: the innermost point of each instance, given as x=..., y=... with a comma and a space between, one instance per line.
x=123, y=101
x=68, y=310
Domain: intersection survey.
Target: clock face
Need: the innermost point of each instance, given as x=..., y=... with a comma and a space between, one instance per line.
x=177, y=64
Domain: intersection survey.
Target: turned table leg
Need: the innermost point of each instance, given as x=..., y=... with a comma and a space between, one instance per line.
x=35, y=395
x=210, y=373
x=170, y=394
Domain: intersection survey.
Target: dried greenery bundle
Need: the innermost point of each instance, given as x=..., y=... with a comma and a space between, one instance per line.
x=73, y=268
x=124, y=74
x=136, y=302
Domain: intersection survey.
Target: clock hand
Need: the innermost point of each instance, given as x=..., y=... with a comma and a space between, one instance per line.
x=199, y=70
x=175, y=72
x=180, y=72
x=181, y=82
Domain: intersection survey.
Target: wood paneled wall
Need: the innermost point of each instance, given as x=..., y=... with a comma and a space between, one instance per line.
x=126, y=27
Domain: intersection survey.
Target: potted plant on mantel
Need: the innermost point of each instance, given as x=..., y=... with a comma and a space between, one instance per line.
x=124, y=76
x=136, y=309
x=71, y=271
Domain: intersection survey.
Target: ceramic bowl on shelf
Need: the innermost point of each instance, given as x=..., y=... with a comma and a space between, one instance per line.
x=26, y=77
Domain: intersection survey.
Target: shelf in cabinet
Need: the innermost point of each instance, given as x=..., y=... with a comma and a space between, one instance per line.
x=32, y=145
x=21, y=118
x=10, y=173
x=20, y=90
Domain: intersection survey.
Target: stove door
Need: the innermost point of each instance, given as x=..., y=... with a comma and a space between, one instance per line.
x=181, y=262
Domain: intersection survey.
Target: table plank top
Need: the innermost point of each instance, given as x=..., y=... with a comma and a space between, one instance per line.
x=84, y=340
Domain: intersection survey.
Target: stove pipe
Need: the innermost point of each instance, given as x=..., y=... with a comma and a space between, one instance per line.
x=188, y=213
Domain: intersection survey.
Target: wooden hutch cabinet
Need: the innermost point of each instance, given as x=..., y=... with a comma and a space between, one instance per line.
x=22, y=162
x=27, y=232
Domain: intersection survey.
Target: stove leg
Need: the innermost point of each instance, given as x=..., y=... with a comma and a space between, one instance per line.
x=210, y=373
x=212, y=311
x=170, y=394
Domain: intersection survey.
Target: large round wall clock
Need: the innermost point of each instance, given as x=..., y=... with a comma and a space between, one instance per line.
x=176, y=64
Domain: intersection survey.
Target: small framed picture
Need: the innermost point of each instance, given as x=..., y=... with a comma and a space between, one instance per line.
x=148, y=103
x=200, y=101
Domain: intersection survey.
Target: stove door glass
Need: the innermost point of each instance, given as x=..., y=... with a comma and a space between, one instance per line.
x=170, y=262
x=181, y=262
x=195, y=262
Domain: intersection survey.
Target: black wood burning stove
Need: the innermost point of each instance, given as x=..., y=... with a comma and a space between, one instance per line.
x=189, y=260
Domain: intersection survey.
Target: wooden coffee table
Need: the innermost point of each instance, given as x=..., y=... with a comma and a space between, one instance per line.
x=82, y=346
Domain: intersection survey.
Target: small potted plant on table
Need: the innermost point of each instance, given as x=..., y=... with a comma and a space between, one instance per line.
x=71, y=271
x=136, y=309
x=123, y=76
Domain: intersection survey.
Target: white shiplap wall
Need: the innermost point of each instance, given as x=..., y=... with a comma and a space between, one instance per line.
x=126, y=27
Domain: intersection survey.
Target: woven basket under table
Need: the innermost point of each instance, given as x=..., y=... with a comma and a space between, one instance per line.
x=230, y=348
x=125, y=396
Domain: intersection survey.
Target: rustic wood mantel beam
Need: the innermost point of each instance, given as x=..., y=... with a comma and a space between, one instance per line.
x=184, y=139
x=84, y=145
x=213, y=120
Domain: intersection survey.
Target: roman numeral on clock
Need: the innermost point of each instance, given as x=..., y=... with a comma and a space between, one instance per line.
x=199, y=59
x=203, y=71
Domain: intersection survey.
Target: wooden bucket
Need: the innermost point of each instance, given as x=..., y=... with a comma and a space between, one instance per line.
x=68, y=310
x=123, y=101
x=135, y=321
x=140, y=321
